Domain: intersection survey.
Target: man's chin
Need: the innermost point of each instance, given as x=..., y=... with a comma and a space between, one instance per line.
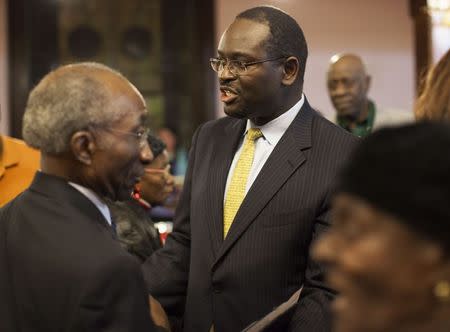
x=234, y=112
x=347, y=113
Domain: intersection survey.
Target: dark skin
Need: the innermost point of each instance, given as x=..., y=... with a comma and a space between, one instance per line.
x=266, y=90
x=110, y=163
x=348, y=85
x=109, y=160
x=383, y=269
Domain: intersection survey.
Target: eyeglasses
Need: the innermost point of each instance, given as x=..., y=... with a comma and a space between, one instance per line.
x=141, y=135
x=236, y=67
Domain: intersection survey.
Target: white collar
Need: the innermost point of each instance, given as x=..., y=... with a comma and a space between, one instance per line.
x=93, y=197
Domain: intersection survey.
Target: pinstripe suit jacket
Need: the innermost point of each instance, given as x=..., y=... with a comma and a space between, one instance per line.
x=265, y=256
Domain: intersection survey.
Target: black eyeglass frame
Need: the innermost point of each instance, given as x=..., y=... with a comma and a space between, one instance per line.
x=239, y=65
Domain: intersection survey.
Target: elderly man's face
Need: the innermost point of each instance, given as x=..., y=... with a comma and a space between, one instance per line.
x=122, y=149
x=348, y=86
x=383, y=272
x=256, y=93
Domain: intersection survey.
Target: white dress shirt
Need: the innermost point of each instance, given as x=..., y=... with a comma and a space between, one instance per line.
x=272, y=133
x=92, y=196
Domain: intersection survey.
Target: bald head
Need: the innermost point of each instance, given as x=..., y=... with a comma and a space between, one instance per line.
x=348, y=84
x=72, y=98
x=349, y=61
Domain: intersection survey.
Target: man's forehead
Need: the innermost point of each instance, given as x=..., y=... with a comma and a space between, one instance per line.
x=345, y=69
x=347, y=64
x=243, y=35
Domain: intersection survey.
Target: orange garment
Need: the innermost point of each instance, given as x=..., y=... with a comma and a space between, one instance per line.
x=18, y=164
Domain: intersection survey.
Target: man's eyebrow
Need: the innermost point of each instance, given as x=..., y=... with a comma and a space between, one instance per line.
x=235, y=55
x=145, y=117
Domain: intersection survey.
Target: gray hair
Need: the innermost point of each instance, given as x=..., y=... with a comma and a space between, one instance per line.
x=68, y=99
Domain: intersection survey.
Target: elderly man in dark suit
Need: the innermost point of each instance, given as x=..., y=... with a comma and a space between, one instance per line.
x=62, y=268
x=257, y=190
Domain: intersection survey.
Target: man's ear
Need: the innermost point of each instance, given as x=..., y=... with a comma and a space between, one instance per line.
x=367, y=82
x=83, y=146
x=291, y=70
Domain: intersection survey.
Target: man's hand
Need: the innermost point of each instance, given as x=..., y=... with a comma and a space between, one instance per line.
x=158, y=314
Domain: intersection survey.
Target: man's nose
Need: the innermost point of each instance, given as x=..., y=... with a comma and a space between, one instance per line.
x=323, y=249
x=146, y=154
x=225, y=74
x=339, y=90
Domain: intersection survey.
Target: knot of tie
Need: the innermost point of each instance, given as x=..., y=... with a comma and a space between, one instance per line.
x=254, y=133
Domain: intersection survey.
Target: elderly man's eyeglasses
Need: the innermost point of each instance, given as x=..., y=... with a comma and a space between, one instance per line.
x=236, y=67
x=141, y=135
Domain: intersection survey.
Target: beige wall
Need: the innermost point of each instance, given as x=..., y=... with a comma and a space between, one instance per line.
x=380, y=31
x=3, y=69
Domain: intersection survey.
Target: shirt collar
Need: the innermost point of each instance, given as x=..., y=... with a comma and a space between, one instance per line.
x=274, y=130
x=93, y=197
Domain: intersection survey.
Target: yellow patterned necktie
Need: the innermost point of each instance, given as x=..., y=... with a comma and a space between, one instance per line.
x=236, y=190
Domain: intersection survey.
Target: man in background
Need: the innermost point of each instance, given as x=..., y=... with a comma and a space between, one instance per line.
x=348, y=86
x=62, y=266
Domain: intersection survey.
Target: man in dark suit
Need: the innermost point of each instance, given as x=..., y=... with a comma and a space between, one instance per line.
x=62, y=268
x=274, y=188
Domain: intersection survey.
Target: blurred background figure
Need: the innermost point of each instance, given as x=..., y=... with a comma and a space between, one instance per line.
x=136, y=228
x=177, y=155
x=388, y=250
x=348, y=87
x=157, y=191
x=18, y=164
x=434, y=100
x=157, y=184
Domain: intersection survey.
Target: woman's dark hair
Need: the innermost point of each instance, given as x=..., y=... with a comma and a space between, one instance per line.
x=156, y=145
x=135, y=230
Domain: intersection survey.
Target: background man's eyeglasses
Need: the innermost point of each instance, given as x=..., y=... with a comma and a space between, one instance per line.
x=236, y=67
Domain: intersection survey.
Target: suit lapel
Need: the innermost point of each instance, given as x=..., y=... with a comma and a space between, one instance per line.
x=224, y=149
x=284, y=160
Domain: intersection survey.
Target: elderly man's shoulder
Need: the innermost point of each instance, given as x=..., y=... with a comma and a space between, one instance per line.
x=86, y=246
x=386, y=117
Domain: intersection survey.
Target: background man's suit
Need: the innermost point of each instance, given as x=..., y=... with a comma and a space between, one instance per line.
x=62, y=267
x=265, y=257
